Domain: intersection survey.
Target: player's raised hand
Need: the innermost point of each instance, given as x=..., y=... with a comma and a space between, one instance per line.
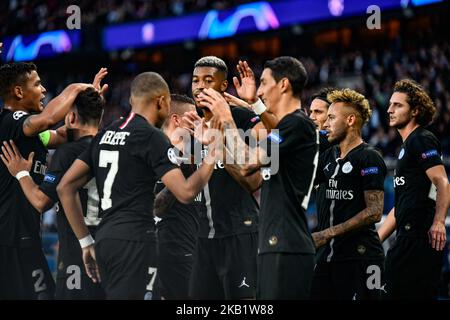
x=101, y=74
x=236, y=102
x=90, y=263
x=187, y=121
x=215, y=102
x=437, y=235
x=13, y=160
x=246, y=88
x=216, y=138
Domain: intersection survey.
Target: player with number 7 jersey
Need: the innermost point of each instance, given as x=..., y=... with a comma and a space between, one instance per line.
x=127, y=159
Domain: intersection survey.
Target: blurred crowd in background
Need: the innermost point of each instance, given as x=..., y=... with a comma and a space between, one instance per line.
x=33, y=16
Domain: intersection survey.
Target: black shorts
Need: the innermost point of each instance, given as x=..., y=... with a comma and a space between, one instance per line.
x=127, y=268
x=173, y=278
x=24, y=274
x=349, y=280
x=74, y=284
x=225, y=268
x=413, y=269
x=284, y=276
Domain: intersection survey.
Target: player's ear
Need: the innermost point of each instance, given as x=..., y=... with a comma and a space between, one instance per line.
x=351, y=119
x=415, y=112
x=176, y=119
x=224, y=85
x=73, y=117
x=160, y=103
x=284, y=85
x=18, y=92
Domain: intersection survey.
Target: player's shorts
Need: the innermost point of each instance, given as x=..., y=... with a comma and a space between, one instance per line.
x=24, y=274
x=173, y=278
x=127, y=268
x=413, y=269
x=225, y=268
x=76, y=285
x=284, y=276
x=359, y=279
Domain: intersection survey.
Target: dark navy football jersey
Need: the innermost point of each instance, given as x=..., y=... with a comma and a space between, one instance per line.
x=127, y=159
x=285, y=195
x=229, y=209
x=345, y=181
x=178, y=228
x=19, y=221
x=69, y=248
x=415, y=195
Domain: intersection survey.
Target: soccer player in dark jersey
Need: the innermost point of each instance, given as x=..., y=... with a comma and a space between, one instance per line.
x=126, y=159
x=82, y=125
x=225, y=259
x=353, y=173
x=24, y=272
x=286, y=249
x=178, y=227
x=413, y=263
x=318, y=111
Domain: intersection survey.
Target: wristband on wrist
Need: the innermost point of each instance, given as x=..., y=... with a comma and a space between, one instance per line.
x=22, y=174
x=258, y=107
x=86, y=241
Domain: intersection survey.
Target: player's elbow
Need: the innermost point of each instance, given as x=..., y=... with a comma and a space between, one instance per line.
x=63, y=189
x=187, y=196
x=43, y=204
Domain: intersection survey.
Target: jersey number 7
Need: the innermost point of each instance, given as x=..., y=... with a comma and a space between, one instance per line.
x=106, y=157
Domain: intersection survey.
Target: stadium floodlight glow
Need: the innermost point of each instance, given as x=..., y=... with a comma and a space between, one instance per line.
x=261, y=12
x=47, y=44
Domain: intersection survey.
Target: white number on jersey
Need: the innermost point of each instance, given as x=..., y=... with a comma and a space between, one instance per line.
x=39, y=285
x=152, y=272
x=106, y=157
x=92, y=218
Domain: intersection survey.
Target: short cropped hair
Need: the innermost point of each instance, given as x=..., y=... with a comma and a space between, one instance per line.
x=322, y=94
x=353, y=99
x=214, y=62
x=148, y=85
x=89, y=105
x=290, y=68
x=12, y=74
x=180, y=104
x=417, y=98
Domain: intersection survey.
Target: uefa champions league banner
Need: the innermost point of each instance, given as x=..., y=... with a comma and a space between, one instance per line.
x=44, y=45
x=246, y=18
x=213, y=24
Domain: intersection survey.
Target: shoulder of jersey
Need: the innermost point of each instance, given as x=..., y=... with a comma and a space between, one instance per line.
x=16, y=115
x=302, y=120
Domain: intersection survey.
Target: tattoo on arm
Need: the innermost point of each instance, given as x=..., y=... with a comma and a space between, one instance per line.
x=163, y=202
x=245, y=158
x=371, y=214
x=27, y=122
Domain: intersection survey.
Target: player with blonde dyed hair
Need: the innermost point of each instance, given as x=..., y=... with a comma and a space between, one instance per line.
x=351, y=266
x=352, y=99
